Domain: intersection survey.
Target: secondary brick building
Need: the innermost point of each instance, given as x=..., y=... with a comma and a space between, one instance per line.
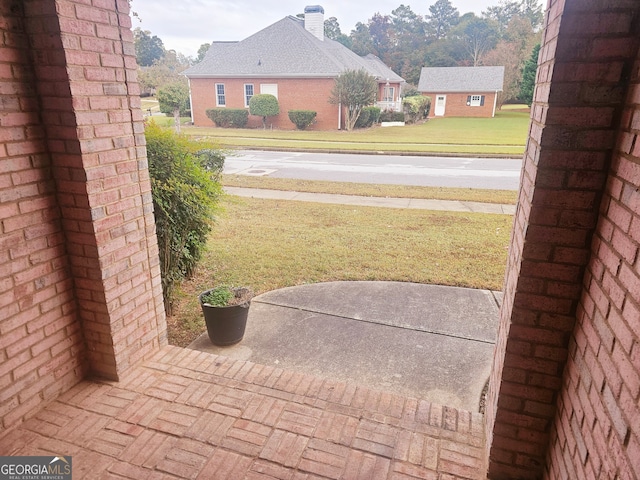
x=80, y=287
x=291, y=59
x=462, y=91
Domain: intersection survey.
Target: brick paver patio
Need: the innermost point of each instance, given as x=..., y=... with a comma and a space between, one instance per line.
x=189, y=414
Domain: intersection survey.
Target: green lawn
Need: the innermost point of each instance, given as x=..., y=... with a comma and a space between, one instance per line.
x=372, y=190
x=270, y=244
x=503, y=135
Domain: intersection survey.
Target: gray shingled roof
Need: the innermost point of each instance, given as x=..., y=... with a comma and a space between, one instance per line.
x=461, y=79
x=285, y=49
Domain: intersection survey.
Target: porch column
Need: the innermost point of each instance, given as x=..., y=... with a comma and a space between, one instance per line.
x=86, y=78
x=586, y=57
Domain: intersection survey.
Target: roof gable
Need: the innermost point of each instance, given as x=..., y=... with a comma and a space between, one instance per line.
x=284, y=49
x=461, y=79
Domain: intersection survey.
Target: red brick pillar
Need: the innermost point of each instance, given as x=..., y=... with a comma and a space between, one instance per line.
x=85, y=66
x=585, y=58
x=597, y=428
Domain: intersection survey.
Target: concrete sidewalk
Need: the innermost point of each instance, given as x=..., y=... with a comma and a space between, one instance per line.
x=413, y=203
x=424, y=341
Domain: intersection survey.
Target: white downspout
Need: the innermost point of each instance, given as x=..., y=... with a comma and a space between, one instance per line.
x=190, y=102
x=339, y=116
x=495, y=102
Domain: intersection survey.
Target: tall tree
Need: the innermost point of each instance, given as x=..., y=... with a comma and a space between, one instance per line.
x=162, y=72
x=506, y=10
x=361, y=42
x=445, y=53
x=332, y=28
x=353, y=90
x=476, y=36
x=202, y=51
x=512, y=51
x=381, y=33
x=407, y=25
x=443, y=16
x=332, y=31
x=532, y=10
x=149, y=49
x=529, y=76
x=174, y=99
x=502, y=13
x=408, y=53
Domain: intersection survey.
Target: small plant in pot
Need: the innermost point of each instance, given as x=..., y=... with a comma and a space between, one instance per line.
x=225, y=312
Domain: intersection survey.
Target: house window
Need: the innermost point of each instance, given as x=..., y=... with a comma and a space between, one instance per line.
x=248, y=93
x=475, y=100
x=389, y=94
x=221, y=98
x=269, y=88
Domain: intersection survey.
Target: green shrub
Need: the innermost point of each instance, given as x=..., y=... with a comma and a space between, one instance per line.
x=264, y=105
x=174, y=97
x=228, y=117
x=185, y=194
x=302, y=118
x=375, y=114
x=390, y=116
x=410, y=91
x=368, y=116
x=416, y=108
x=363, y=119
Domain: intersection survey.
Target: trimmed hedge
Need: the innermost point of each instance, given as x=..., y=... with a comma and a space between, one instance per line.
x=185, y=188
x=228, y=117
x=302, y=118
x=416, y=108
x=389, y=116
x=368, y=116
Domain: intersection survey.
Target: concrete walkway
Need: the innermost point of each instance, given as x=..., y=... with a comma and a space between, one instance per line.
x=189, y=414
x=425, y=341
x=413, y=203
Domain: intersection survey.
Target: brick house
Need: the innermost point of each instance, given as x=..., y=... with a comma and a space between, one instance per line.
x=462, y=91
x=291, y=59
x=80, y=292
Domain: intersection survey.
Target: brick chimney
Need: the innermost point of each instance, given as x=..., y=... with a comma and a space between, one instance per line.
x=314, y=20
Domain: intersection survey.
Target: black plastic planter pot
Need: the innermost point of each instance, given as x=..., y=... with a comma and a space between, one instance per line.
x=225, y=325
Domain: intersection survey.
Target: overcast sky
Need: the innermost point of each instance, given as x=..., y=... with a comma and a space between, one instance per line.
x=184, y=25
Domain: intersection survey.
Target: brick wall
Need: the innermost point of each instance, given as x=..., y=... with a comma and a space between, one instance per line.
x=456, y=105
x=41, y=342
x=597, y=430
x=103, y=173
x=293, y=94
x=80, y=286
x=587, y=53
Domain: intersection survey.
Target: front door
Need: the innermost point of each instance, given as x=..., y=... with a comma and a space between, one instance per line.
x=441, y=101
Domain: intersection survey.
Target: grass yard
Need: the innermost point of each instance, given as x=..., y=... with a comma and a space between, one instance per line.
x=269, y=244
x=503, y=135
x=373, y=190
x=165, y=121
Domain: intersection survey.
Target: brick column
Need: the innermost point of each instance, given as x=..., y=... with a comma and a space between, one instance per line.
x=86, y=71
x=586, y=56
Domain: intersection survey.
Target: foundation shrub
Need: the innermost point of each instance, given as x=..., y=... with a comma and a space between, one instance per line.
x=302, y=119
x=228, y=117
x=185, y=187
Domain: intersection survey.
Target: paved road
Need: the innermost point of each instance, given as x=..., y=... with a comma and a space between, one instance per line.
x=486, y=173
